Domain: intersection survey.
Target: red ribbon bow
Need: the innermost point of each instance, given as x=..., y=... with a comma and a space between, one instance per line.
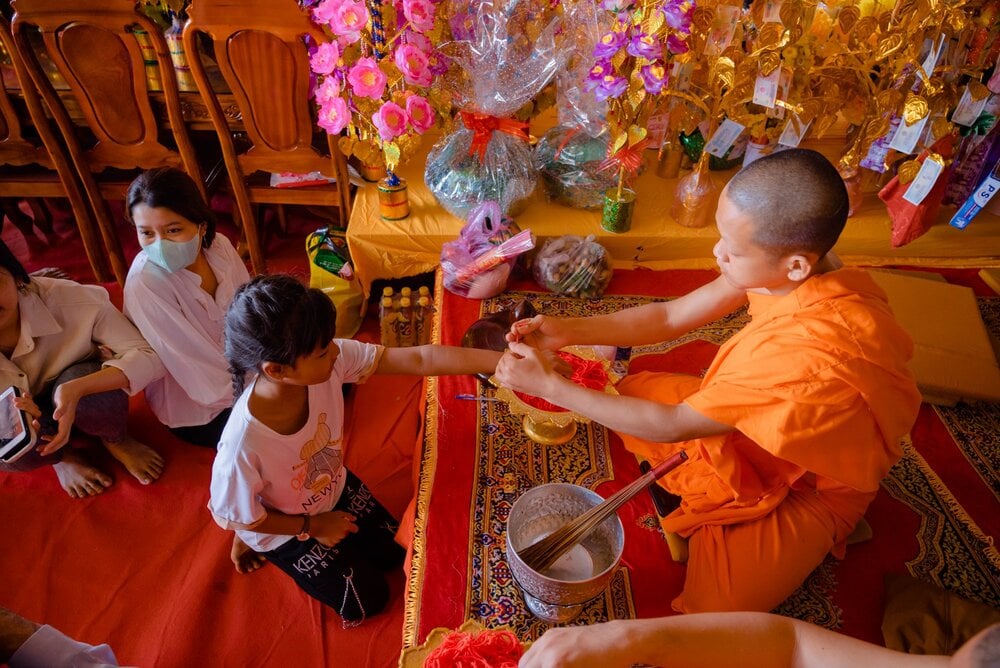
x=484, y=126
x=627, y=157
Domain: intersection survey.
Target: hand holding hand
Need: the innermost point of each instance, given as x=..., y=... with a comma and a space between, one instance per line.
x=332, y=527
x=524, y=369
x=542, y=332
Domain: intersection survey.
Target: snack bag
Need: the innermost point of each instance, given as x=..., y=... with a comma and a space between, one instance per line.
x=331, y=271
x=478, y=263
x=574, y=266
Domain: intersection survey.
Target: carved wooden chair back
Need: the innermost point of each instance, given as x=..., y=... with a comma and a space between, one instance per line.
x=93, y=46
x=261, y=53
x=38, y=164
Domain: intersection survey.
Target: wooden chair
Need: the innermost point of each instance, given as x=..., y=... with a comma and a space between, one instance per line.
x=35, y=163
x=259, y=48
x=92, y=45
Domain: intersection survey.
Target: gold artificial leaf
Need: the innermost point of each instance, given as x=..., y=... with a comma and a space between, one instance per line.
x=618, y=143
x=795, y=33
x=636, y=134
x=769, y=36
x=848, y=18
x=908, y=171
x=865, y=28
x=768, y=61
x=701, y=19
x=887, y=101
x=654, y=23
x=940, y=127
x=914, y=109
x=790, y=12
x=636, y=95
x=876, y=128
x=725, y=72
x=823, y=125
x=346, y=145
x=978, y=91
x=889, y=45
x=391, y=152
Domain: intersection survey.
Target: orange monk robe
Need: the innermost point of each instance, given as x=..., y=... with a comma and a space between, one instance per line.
x=816, y=386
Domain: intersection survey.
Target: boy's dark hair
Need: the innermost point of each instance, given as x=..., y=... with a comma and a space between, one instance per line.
x=796, y=199
x=170, y=188
x=275, y=319
x=13, y=265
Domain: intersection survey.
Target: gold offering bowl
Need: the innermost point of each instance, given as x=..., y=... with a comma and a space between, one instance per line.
x=554, y=427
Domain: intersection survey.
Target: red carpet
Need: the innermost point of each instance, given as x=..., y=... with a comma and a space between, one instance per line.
x=935, y=517
x=146, y=570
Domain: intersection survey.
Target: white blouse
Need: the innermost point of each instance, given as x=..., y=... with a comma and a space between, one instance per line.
x=184, y=325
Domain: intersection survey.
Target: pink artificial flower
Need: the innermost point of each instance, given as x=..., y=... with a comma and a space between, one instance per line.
x=366, y=79
x=420, y=14
x=421, y=113
x=412, y=62
x=390, y=119
x=435, y=63
x=347, y=19
x=334, y=116
x=328, y=91
x=324, y=59
x=323, y=12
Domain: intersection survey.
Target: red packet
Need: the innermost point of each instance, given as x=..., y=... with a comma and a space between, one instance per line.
x=910, y=221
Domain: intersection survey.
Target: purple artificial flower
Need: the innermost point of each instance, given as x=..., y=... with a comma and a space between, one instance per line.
x=601, y=69
x=676, y=45
x=654, y=77
x=609, y=44
x=678, y=15
x=611, y=86
x=644, y=46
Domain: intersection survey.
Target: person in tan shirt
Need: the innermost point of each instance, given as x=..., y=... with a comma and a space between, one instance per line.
x=72, y=353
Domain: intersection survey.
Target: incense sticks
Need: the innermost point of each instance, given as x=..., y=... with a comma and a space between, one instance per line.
x=541, y=555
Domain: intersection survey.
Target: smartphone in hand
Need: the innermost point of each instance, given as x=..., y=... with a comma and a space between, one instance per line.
x=16, y=435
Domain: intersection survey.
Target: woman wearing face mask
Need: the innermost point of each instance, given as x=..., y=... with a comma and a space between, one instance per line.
x=177, y=293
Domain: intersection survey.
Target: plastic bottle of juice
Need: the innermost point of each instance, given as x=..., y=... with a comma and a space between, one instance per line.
x=388, y=318
x=404, y=322
x=423, y=321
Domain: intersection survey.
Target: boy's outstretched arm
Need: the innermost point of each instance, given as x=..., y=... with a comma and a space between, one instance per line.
x=525, y=369
x=435, y=360
x=639, y=325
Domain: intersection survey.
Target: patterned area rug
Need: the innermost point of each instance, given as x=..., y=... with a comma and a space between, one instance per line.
x=477, y=461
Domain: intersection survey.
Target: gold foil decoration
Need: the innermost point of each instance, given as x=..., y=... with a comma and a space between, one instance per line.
x=908, y=171
x=768, y=61
x=790, y=13
x=848, y=18
x=865, y=28
x=889, y=45
x=940, y=127
x=725, y=72
x=876, y=128
x=914, y=109
x=701, y=19
x=978, y=91
x=886, y=101
x=770, y=36
x=653, y=23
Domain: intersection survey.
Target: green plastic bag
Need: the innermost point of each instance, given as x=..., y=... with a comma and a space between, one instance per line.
x=331, y=271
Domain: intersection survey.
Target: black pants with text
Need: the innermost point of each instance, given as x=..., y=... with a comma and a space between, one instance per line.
x=349, y=576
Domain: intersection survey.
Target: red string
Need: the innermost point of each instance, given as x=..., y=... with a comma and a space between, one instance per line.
x=486, y=649
x=588, y=373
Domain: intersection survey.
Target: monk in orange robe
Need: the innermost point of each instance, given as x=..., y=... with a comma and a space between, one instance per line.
x=798, y=418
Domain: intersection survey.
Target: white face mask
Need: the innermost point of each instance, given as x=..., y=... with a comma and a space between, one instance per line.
x=173, y=255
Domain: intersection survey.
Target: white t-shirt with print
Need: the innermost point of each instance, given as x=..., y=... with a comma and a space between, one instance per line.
x=258, y=469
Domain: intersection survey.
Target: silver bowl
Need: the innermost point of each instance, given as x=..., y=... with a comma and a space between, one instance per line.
x=559, y=595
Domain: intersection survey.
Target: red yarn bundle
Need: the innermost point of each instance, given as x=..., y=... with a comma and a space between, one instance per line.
x=484, y=649
x=588, y=373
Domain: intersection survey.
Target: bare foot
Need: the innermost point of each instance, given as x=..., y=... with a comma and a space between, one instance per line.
x=141, y=460
x=78, y=477
x=245, y=559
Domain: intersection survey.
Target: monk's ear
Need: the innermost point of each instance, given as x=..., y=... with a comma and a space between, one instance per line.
x=800, y=267
x=274, y=371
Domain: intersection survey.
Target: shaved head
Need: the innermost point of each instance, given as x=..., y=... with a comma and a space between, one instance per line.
x=796, y=200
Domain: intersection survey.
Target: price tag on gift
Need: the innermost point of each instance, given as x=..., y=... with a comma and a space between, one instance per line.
x=906, y=137
x=723, y=138
x=924, y=181
x=795, y=130
x=969, y=109
x=765, y=91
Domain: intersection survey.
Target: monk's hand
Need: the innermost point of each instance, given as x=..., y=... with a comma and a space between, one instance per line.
x=524, y=369
x=579, y=647
x=65, y=399
x=543, y=332
x=332, y=527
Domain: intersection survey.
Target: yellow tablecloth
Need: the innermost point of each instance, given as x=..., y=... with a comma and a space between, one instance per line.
x=394, y=249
